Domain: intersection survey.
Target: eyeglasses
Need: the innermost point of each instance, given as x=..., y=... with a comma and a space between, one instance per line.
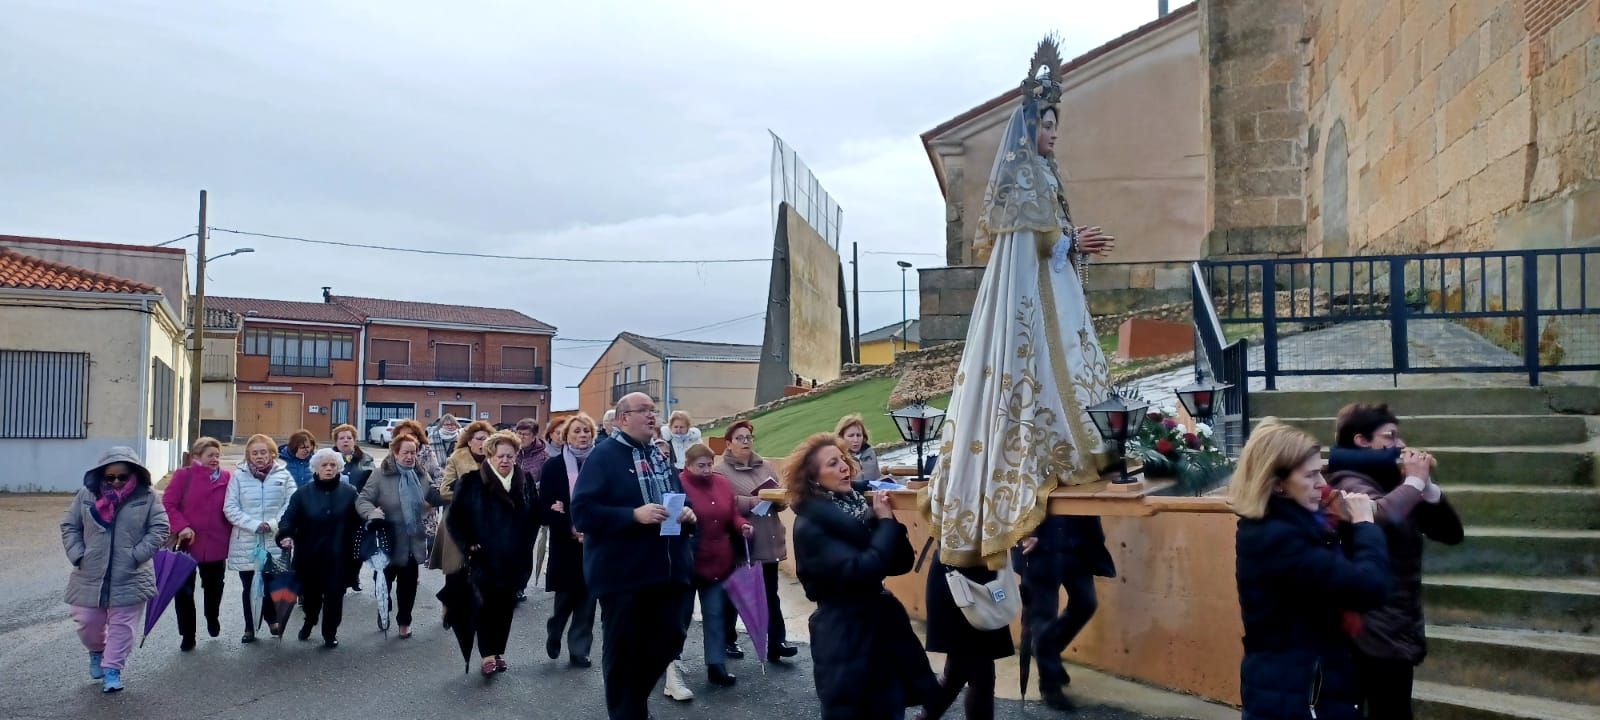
x=118, y=479
x=650, y=411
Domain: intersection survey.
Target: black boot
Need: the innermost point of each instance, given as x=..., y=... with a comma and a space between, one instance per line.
x=1056, y=700
x=936, y=706
x=782, y=651
x=734, y=652
x=718, y=675
x=305, y=631
x=979, y=703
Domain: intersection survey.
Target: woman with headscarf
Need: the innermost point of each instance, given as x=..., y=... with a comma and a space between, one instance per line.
x=868, y=663
x=853, y=430
x=398, y=493
x=296, y=455
x=111, y=532
x=565, y=577
x=494, y=522
x=257, y=494
x=194, y=500
x=1031, y=364
x=319, y=527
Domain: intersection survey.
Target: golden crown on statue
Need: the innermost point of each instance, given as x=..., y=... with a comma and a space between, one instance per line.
x=1044, y=74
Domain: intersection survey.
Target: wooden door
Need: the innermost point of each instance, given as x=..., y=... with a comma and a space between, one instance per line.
x=274, y=414
x=463, y=411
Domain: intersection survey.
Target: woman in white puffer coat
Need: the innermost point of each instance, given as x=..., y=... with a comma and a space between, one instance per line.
x=257, y=495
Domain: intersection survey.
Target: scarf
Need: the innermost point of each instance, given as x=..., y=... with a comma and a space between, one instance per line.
x=505, y=480
x=852, y=503
x=410, y=499
x=216, y=475
x=574, y=459
x=105, y=507
x=259, y=473
x=528, y=458
x=656, y=475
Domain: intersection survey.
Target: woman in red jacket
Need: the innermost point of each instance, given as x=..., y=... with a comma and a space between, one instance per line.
x=193, y=500
x=720, y=526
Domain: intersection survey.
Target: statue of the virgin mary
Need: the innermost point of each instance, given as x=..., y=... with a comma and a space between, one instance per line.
x=1017, y=427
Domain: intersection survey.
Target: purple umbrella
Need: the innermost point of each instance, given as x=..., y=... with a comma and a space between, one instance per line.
x=172, y=569
x=747, y=588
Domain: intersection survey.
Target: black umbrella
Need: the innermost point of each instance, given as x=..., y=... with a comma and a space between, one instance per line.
x=461, y=602
x=1025, y=653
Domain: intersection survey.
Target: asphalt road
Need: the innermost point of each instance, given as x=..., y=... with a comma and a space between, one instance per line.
x=43, y=668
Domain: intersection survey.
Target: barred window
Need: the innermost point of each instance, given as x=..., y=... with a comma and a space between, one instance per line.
x=44, y=395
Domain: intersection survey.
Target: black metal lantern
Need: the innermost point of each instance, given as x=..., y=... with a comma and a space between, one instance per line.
x=1117, y=419
x=1201, y=399
x=918, y=423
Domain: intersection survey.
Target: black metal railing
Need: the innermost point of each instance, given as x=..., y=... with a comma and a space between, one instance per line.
x=299, y=370
x=453, y=373
x=1522, y=311
x=648, y=387
x=1216, y=359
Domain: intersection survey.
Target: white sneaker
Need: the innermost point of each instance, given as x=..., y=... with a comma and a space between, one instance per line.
x=675, y=688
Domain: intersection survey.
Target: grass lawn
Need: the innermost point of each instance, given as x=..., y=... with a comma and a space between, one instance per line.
x=778, y=431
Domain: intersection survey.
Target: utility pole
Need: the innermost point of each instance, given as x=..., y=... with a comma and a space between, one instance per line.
x=905, y=316
x=197, y=336
x=855, y=293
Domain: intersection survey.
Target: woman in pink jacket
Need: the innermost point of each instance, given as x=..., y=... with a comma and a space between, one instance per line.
x=194, y=506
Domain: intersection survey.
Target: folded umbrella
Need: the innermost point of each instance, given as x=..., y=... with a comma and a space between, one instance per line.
x=282, y=587
x=461, y=602
x=372, y=548
x=172, y=569
x=258, y=582
x=747, y=588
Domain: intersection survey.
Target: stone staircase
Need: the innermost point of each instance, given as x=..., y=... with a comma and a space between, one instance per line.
x=1514, y=611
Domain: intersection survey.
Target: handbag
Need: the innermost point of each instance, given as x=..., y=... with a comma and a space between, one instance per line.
x=987, y=606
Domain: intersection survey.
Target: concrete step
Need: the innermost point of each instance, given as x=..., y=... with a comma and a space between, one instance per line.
x=1432, y=401
x=1559, y=666
x=1426, y=431
x=1499, y=465
x=1523, y=603
x=1571, y=508
x=1519, y=552
x=1434, y=701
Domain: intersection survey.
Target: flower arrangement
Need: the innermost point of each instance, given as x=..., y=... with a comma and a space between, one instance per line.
x=1167, y=449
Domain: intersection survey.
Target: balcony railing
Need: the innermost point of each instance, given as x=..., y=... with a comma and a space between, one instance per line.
x=218, y=366
x=648, y=387
x=449, y=373
x=297, y=370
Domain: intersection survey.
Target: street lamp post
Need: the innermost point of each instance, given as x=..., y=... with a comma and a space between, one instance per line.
x=905, y=315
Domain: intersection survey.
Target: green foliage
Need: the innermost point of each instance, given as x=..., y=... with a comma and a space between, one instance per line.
x=1167, y=450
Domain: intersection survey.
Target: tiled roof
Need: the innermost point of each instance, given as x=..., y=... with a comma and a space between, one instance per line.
x=283, y=310
x=376, y=309
x=30, y=273
x=892, y=332
x=690, y=350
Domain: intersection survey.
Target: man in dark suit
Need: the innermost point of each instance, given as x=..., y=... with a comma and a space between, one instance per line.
x=641, y=577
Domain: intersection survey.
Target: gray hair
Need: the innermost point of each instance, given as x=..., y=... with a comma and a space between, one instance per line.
x=609, y=417
x=325, y=454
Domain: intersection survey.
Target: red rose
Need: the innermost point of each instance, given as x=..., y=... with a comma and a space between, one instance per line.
x=1169, y=424
x=1165, y=446
x=1154, y=416
x=1192, y=440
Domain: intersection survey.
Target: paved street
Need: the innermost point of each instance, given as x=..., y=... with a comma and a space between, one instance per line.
x=43, y=670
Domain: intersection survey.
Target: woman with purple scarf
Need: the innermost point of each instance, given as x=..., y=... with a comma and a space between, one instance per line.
x=111, y=533
x=565, y=577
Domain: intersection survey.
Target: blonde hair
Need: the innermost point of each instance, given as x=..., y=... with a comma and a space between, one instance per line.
x=853, y=420
x=347, y=427
x=202, y=445
x=679, y=415
x=259, y=438
x=574, y=421
x=799, y=470
x=1271, y=455
x=465, y=438
x=501, y=437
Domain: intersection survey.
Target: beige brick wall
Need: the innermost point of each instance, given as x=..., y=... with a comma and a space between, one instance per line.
x=1459, y=116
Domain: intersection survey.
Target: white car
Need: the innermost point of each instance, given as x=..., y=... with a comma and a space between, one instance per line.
x=383, y=434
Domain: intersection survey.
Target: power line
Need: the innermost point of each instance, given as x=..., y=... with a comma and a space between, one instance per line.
x=493, y=256
x=896, y=252
x=181, y=237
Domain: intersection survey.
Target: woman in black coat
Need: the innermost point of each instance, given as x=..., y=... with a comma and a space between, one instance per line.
x=1296, y=580
x=969, y=652
x=319, y=525
x=868, y=664
x=495, y=526
x=564, y=577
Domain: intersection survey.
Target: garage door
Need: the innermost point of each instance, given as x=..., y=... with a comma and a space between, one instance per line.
x=378, y=412
x=510, y=414
x=274, y=414
x=465, y=412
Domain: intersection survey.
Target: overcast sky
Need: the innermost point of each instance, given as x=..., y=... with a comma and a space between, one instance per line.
x=586, y=129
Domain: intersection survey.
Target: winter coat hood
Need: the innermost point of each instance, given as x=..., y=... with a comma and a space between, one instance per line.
x=118, y=454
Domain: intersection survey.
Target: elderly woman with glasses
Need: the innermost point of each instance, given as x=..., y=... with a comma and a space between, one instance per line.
x=111, y=532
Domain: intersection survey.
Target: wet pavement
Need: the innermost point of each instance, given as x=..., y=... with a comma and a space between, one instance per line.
x=43, y=672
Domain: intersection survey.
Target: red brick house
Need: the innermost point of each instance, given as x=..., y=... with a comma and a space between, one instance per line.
x=297, y=366
x=367, y=360
x=422, y=360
